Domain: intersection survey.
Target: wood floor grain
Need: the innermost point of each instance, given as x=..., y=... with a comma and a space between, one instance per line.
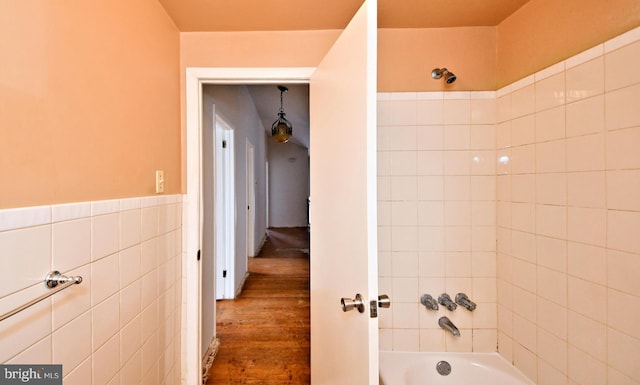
x=264, y=333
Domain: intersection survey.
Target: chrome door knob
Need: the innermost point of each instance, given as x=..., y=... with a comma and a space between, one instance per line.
x=350, y=304
x=384, y=301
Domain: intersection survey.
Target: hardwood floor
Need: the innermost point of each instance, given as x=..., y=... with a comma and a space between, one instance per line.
x=264, y=333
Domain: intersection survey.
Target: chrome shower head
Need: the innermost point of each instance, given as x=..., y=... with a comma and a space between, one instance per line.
x=449, y=77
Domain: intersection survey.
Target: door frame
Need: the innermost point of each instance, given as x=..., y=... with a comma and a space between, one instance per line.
x=251, y=199
x=192, y=213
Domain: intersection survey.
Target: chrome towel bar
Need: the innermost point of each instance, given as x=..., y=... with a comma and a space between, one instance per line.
x=54, y=281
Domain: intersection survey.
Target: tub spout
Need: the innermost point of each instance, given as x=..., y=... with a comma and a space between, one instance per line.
x=447, y=325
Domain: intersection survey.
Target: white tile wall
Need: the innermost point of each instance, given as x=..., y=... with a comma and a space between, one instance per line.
x=544, y=236
x=122, y=324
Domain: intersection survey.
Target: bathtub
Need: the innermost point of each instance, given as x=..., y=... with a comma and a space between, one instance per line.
x=409, y=368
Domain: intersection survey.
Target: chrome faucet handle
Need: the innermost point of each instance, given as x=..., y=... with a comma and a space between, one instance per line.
x=464, y=301
x=446, y=301
x=429, y=302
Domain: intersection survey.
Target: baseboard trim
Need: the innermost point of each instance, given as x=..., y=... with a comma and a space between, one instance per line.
x=209, y=356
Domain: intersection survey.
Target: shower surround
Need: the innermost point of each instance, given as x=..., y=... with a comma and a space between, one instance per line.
x=528, y=200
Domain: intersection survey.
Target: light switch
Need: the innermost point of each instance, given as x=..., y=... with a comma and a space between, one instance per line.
x=159, y=181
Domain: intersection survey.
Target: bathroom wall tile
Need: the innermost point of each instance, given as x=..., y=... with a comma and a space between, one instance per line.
x=455, y=344
x=104, y=281
x=430, y=163
x=430, y=188
x=401, y=163
x=621, y=40
x=623, y=314
x=148, y=256
x=105, y=235
x=404, y=264
x=431, y=264
x=523, y=217
x=483, y=188
x=587, y=298
x=523, y=188
x=586, y=153
x=505, y=346
x=623, y=189
x=429, y=95
x=39, y=352
x=402, y=138
x=482, y=162
x=553, y=350
x=623, y=351
x=384, y=188
x=403, y=112
x=503, y=134
x=587, y=262
x=586, y=225
x=405, y=315
x=551, y=188
x=621, y=109
x=383, y=138
x=457, y=163
x=130, y=227
x=584, y=369
x=585, y=56
x=523, y=246
x=457, y=137
x=383, y=163
x=404, y=188
x=384, y=213
x=105, y=321
x=457, y=264
x=586, y=189
x=588, y=335
x=130, y=302
x=523, y=101
x=129, y=265
x=70, y=211
x=484, y=289
x=131, y=372
x=526, y=361
x=505, y=321
x=551, y=156
x=585, y=116
x=71, y=244
x=551, y=221
x=523, y=130
x=621, y=148
x=457, y=238
x=12, y=219
x=483, y=137
x=457, y=111
x=429, y=137
x=431, y=213
x=550, y=92
x=524, y=276
x=429, y=112
x=503, y=161
x=585, y=80
x=106, y=361
x=430, y=238
x=503, y=107
x=619, y=264
x=457, y=188
x=551, y=124
x=549, y=71
x=485, y=316
x=553, y=319
x=618, y=378
x=70, y=354
x=485, y=340
x=617, y=64
x=385, y=341
x=457, y=213
x=404, y=238
x=503, y=188
x=26, y=254
x=503, y=218
x=551, y=253
x=457, y=285
x=483, y=213
x=483, y=111
x=483, y=264
x=432, y=340
x=524, y=332
x=81, y=375
x=130, y=339
x=149, y=222
x=523, y=159
x=549, y=375
x=552, y=285
x=99, y=208
x=618, y=235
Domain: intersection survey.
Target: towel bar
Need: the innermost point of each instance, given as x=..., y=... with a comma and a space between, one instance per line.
x=54, y=281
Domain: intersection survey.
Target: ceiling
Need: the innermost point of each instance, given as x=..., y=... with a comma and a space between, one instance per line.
x=290, y=15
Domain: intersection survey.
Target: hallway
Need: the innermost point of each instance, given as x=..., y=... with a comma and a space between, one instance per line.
x=264, y=333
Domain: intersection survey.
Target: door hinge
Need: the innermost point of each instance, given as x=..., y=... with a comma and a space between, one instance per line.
x=224, y=274
x=224, y=144
x=198, y=256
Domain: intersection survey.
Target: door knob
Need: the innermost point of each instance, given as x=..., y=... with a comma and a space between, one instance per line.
x=383, y=302
x=350, y=304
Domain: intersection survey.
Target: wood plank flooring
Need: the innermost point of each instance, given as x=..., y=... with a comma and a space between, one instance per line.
x=264, y=333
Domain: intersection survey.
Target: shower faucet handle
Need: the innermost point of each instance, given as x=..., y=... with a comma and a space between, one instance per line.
x=429, y=302
x=447, y=302
x=464, y=301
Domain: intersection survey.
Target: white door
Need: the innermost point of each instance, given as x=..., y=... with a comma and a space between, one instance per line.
x=251, y=201
x=344, y=345
x=224, y=210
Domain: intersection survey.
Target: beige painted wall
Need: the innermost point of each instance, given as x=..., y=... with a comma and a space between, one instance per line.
x=89, y=101
x=544, y=32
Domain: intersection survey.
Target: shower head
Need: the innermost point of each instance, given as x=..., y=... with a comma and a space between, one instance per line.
x=449, y=77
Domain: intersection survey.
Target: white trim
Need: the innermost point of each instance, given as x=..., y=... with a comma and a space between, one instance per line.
x=192, y=208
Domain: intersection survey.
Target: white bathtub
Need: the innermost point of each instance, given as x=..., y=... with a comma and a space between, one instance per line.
x=409, y=368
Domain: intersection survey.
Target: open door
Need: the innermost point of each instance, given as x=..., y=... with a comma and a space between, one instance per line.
x=344, y=345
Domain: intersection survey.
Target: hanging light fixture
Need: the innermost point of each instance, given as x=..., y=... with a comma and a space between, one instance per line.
x=281, y=130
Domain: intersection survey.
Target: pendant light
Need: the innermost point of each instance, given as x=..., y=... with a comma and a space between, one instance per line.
x=281, y=130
